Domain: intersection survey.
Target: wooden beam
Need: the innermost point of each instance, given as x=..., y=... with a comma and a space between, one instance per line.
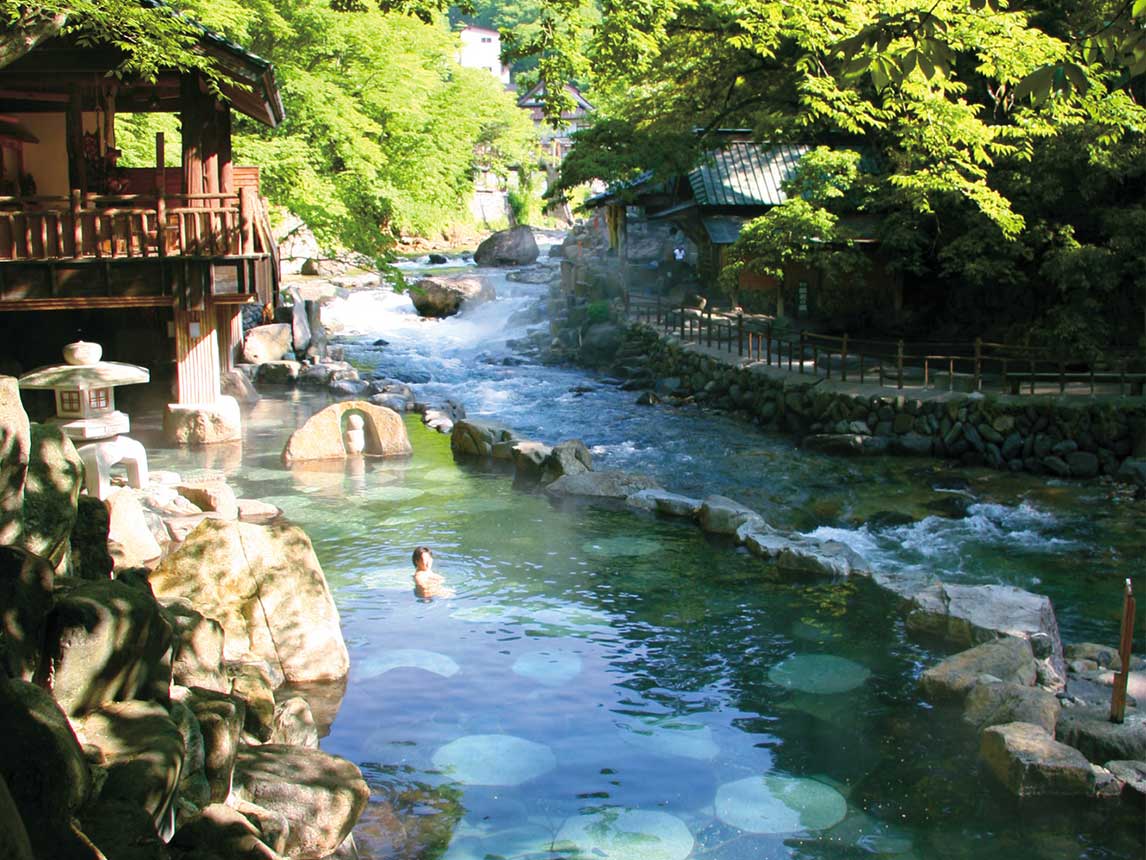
x=226, y=164
x=196, y=356
x=86, y=302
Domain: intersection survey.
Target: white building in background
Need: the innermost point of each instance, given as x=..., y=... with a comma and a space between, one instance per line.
x=481, y=49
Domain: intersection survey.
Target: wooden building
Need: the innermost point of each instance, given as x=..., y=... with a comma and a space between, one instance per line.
x=79, y=233
x=732, y=184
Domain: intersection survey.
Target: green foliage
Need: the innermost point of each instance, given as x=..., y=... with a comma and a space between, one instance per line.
x=598, y=312
x=384, y=131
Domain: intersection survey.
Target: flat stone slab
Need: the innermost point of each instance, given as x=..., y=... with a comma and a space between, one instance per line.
x=1031, y=763
x=664, y=502
x=997, y=704
x=724, y=516
x=601, y=485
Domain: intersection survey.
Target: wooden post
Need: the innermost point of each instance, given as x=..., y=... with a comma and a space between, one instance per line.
x=899, y=363
x=77, y=225
x=801, y=355
x=978, y=382
x=247, y=208
x=708, y=312
x=1118, y=695
x=768, y=347
x=844, y=359
x=682, y=322
x=740, y=335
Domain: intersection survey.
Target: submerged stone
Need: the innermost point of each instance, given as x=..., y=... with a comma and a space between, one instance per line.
x=407, y=658
x=671, y=736
x=823, y=674
x=625, y=834
x=552, y=668
x=779, y=804
x=494, y=760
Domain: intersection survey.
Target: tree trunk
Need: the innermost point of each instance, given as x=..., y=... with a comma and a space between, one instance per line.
x=26, y=35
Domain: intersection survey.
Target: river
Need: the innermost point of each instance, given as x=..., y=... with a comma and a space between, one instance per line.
x=608, y=685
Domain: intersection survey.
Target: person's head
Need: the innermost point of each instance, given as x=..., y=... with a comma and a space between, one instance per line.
x=423, y=558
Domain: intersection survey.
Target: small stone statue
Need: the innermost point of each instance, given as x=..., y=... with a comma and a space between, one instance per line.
x=354, y=437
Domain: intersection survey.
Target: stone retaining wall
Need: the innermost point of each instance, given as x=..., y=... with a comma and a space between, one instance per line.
x=1060, y=436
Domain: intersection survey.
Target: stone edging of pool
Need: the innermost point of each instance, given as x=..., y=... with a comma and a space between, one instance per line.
x=1011, y=678
x=1066, y=436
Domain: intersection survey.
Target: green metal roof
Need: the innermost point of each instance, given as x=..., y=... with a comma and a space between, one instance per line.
x=745, y=174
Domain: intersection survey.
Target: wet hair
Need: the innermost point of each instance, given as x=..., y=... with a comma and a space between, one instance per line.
x=420, y=553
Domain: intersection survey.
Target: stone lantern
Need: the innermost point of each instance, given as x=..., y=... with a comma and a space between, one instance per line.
x=85, y=411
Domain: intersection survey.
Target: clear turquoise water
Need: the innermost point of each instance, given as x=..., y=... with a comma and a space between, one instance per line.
x=632, y=664
x=631, y=672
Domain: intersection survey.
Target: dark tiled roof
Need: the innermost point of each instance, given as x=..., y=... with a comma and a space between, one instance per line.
x=745, y=174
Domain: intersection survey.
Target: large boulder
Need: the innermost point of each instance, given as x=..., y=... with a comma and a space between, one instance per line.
x=131, y=541
x=998, y=703
x=321, y=795
x=1008, y=659
x=90, y=556
x=599, y=343
x=724, y=516
x=601, y=485
x=528, y=461
x=106, y=641
x=322, y=436
x=664, y=502
x=571, y=457
x=197, y=653
x=220, y=717
x=220, y=831
x=14, y=842
x=1031, y=763
x=294, y=724
x=51, y=490
x=195, y=424
x=1089, y=730
x=25, y=597
x=472, y=438
x=42, y=762
x=265, y=343
x=965, y=615
x=236, y=384
x=444, y=297
x=513, y=247
x=15, y=449
x=266, y=587
x=142, y=750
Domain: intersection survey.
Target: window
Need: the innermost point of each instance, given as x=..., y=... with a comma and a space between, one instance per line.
x=487, y=40
x=69, y=401
x=98, y=398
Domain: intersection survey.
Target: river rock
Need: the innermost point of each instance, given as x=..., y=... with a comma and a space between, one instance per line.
x=1103, y=656
x=220, y=831
x=236, y=384
x=321, y=795
x=514, y=247
x=1132, y=471
x=265, y=343
x=1132, y=775
x=283, y=372
x=841, y=444
x=90, y=556
x=968, y=614
x=143, y=753
x=599, y=343
x=130, y=539
x=52, y=486
x=664, y=502
x=1088, y=729
x=252, y=683
x=221, y=717
x=444, y=297
x=193, y=784
x=257, y=511
x=322, y=436
x=1008, y=659
x=25, y=597
x=472, y=438
x=724, y=516
x=529, y=461
x=833, y=559
x=273, y=826
x=107, y=641
x=995, y=704
x=266, y=587
x=197, y=424
x=197, y=653
x=601, y=485
x=571, y=457
x=15, y=449
x=1031, y=763
x=211, y=495
x=42, y=763
x=293, y=724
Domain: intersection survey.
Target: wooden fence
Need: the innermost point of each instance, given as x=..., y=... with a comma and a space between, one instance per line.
x=130, y=225
x=963, y=366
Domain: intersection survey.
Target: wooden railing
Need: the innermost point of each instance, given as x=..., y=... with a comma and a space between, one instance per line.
x=131, y=225
x=964, y=366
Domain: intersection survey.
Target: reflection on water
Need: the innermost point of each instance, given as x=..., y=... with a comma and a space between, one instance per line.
x=611, y=685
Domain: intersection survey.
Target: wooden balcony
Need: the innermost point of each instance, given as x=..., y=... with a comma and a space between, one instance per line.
x=134, y=250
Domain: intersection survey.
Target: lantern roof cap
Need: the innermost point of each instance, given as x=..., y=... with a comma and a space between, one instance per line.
x=83, y=377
